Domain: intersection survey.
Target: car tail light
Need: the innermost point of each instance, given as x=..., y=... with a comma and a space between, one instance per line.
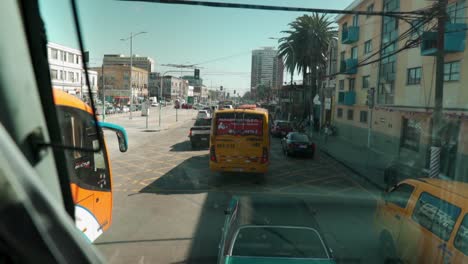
x=264, y=158
x=190, y=133
x=213, y=154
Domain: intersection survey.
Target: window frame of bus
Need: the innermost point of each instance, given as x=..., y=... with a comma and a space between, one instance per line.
x=74, y=178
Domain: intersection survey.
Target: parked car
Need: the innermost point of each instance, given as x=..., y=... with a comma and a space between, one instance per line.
x=203, y=114
x=110, y=110
x=125, y=109
x=118, y=110
x=200, y=133
x=154, y=104
x=267, y=229
x=297, y=143
x=281, y=128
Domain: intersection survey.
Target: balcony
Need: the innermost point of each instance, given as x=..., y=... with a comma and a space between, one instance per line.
x=347, y=98
x=455, y=40
x=349, y=66
x=350, y=35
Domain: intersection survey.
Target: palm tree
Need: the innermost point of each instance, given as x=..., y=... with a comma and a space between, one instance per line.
x=305, y=47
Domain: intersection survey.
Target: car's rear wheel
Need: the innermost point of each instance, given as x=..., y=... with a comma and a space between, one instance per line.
x=388, y=250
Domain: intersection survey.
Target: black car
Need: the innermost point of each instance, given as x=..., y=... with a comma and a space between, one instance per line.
x=200, y=133
x=297, y=143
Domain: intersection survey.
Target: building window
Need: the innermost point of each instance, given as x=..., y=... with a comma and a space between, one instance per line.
x=339, y=112
x=61, y=75
x=354, y=52
x=70, y=76
x=70, y=57
x=63, y=56
x=452, y=71
x=341, y=84
x=342, y=56
x=365, y=82
x=53, y=74
x=352, y=84
x=363, y=117
x=368, y=46
x=54, y=54
x=355, y=20
x=411, y=134
x=370, y=9
x=456, y=12
x=414, y=76
x=350, y=114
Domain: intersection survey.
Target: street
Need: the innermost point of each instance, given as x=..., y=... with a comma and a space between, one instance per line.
x=169, y=207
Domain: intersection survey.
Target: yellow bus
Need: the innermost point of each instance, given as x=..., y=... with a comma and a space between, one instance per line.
x=240, y=140
x=91, y=175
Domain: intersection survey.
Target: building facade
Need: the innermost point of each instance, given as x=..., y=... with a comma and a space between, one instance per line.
x=267, y=69
x=173, y=87
x=145, y=63
x=114, y=83
x=402, y=85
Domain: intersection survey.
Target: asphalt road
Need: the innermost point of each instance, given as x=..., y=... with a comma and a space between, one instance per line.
x=169, y=207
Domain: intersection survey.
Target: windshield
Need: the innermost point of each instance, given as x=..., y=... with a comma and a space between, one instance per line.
x=381, y=100
x=203, y=122
x=299, y=137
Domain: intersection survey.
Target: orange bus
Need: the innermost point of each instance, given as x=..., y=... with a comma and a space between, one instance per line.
x=91, y=177
x=240, y=140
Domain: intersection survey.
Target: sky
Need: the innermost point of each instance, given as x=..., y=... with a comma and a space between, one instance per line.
x=220, y=39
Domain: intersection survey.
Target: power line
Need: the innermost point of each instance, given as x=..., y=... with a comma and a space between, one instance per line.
x=283, y=8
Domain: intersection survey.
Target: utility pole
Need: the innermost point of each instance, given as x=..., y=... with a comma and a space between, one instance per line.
x=131, y=66
x=103, y=94
x=434, y=165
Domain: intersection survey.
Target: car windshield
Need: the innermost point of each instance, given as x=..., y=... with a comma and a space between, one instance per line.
x=279, y=242
x=203, y=122
x=299, y=137
x=377, y=89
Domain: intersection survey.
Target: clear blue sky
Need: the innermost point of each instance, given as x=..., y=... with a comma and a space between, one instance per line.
x=178, y=34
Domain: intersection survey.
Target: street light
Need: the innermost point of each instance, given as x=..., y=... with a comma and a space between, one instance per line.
x=131, y=65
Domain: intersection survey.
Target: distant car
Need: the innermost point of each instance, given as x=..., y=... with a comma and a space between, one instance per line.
x=187, y=106
x=271, y=229
x=200, y=133
x=154, y=104
x=118, y=110
x=110, y=110
x=228, y=107
x=125, y=109
x=297, y=143
x=281, y=128
x=203, y=114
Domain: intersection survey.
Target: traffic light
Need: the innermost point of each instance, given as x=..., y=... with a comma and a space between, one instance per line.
x=197, y=74
x=370, y=97
x=227, y=95
x=234, y=91
x=221, y=88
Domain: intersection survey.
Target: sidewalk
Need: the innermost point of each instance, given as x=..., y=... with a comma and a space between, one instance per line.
x=366, y=162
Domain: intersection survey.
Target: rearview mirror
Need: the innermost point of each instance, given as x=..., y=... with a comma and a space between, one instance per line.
x=119, y=131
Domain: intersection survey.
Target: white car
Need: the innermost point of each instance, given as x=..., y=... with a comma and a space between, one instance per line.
x=203, y=114
x=125, y=109
x=154, y=104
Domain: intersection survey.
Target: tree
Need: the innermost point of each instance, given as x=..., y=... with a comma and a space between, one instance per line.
x=305, y=47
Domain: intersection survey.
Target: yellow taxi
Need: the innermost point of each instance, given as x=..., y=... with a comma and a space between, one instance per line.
x=424, y=221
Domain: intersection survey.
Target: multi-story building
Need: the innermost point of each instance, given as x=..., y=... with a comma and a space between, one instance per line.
x=267, y=69
x=173, y=87
x=114, y=82
x=153, y=84
x=403, y=84
x=145, y=63
x=67, y=73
